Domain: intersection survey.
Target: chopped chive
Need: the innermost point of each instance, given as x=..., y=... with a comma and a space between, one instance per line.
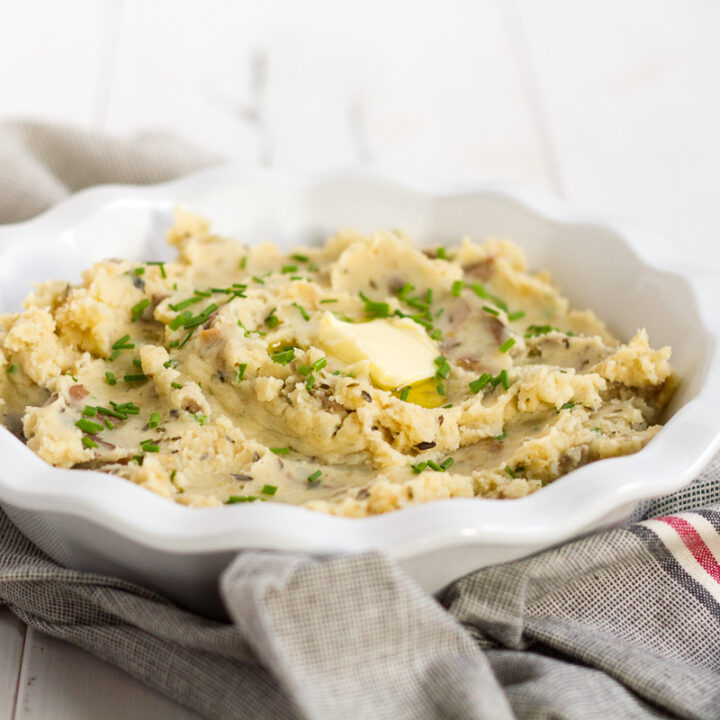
x=161, y=265
x=195, y=322
x=12, y=369
x=533, y=330
x=417, y=469
x=242, y=499
x=203, y=293
x=258, y=280
x=429, y=296
x=300, y=258
x=170, y=363
x=139, y=270
x=129, y=408
x=114, y=355
x=136, y=377
x=314, y=479
x=441, y=253
x=509, y=471
x=518, y=315
x=490, y=310
x=172, y=475
x=310, y=383
x=375, y=309
x=123, y=344
x=507, y=345
x=567, y=406
x=283, y=357
x=420, y=320
x=312, y=267
x=404, y=393
x=500, y=303
x=88, y=426
x=200, y=418
x=302, y=310
x=418, y=304
x=150, y=446
x=328, y=300
x=436, y=334
x=440, y=387
x=432, y=464
x=112, y=413
x=243, y=263
x=154, y=420
x=504, y=379
x=447, y=406
x=286, y=269
x=280, y=451
x=405, y=290
x=88, y=442
x=136, y=362
x=319, y=364
x=187, y=337
x=89, y=411
x=175, y=385
x=269, y=489
x=597, y=430
x=305, y=369
x=185, y=303
x=447, y=463
x=477, y=385
x=456, y=288
x=272, y=319
x=479, y=290
x=443, y=367
x=240, y=372
x=501, y=436
x=108, y=424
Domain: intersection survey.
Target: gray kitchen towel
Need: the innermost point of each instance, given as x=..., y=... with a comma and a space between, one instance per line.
x=621, y=624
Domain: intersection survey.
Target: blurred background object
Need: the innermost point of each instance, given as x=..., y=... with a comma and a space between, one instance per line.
x=613, y=104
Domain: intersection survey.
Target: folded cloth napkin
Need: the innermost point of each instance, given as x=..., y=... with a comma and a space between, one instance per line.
x=621, y=624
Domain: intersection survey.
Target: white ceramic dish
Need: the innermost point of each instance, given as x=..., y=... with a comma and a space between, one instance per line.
x=98, y=522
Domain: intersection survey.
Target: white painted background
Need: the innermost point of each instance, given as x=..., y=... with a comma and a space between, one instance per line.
x=613, y=104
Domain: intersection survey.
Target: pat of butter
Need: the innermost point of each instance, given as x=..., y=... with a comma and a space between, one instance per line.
x=399, y=351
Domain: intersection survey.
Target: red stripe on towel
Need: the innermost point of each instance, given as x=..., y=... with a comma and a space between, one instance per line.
x=695, y=544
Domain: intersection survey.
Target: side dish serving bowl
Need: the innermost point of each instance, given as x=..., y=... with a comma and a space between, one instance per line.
x=98, y=522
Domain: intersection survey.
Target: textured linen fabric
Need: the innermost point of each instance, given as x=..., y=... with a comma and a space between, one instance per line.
x=621, y=624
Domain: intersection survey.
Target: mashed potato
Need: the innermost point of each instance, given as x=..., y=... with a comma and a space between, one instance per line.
x=354, y=378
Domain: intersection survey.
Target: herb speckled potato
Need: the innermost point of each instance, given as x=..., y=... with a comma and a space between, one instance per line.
x=354, y=378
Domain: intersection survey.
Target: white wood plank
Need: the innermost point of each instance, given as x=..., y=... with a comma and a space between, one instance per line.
x=192, y=69
x=441, y=93
x=632, y=98
x=432, y=89
x=12, y=637
x=60, y=680
x=49, y=53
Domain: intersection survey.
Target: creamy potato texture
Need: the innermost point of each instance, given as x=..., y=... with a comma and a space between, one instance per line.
x=354, y=378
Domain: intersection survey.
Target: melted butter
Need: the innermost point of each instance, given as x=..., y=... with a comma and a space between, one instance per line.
x=424, y=394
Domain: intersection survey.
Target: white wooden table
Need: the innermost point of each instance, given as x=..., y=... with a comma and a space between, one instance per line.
x=614, y=104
